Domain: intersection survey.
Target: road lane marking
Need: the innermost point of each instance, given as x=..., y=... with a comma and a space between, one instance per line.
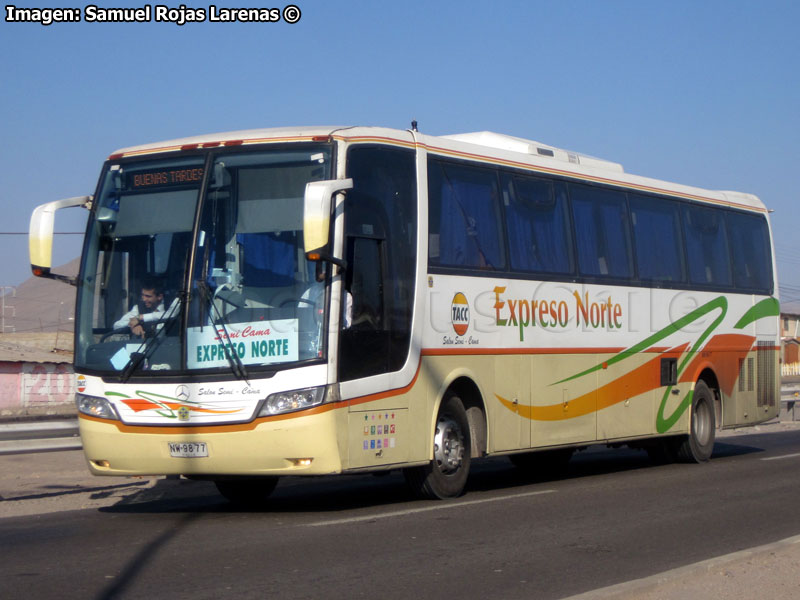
x=782, y=457
x=412, y=511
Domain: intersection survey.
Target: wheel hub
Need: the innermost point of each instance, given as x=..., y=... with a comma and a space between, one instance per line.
x=448, y=445
x=700, y=423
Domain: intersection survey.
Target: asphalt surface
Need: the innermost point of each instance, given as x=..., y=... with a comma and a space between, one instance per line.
x=35, y=484
x=39, y=436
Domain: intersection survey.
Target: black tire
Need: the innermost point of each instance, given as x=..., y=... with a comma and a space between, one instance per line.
x=545, y=463
x=246, y=491
x=698, y=446
x=446, y=475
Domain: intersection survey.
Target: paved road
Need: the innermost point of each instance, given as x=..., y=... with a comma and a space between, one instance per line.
x=611, y=519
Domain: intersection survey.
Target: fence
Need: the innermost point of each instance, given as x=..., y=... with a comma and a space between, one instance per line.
x=790, y=369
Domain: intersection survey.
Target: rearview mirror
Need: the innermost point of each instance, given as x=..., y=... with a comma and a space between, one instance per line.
x=317, y=217
x=40, y=237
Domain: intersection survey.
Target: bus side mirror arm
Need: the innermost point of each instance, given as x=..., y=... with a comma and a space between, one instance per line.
x=325, y=257
x=317, y=202
x=40, y=238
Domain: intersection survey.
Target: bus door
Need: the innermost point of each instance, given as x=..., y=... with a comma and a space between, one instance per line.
x=377, y=299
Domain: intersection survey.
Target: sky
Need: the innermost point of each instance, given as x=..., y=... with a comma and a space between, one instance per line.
x=699, y=92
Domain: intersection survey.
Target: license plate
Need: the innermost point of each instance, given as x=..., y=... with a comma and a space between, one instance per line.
x=188, y=449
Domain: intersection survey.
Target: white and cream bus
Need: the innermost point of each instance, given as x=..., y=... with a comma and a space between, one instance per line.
x=345, y=300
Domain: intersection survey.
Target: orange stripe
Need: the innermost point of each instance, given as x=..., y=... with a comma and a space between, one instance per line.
x=375, y=138
x=728, y=348
x=175, y=148
x=140, y=404
x=634, y=383
x=504, y=351
x=387, y=394
x=237, y=427
x=207, y=429
x=723, y=353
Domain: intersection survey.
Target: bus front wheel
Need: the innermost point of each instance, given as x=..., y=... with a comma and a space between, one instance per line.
x=446, y=475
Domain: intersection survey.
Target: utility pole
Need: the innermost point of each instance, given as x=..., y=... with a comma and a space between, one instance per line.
x=3, y=306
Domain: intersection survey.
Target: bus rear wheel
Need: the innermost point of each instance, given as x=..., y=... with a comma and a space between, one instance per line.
x=446, y=475
x=699, y=444
x=246, y=491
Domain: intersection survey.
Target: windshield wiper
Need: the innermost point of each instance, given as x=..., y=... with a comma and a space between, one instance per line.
x=148, y=344
x=235, y=362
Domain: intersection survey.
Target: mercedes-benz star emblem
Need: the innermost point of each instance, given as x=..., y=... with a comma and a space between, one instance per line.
x=182, y=393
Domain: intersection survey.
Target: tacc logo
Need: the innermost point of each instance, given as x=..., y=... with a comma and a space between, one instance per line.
x=459, y=314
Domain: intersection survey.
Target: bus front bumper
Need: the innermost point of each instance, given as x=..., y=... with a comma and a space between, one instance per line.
x=297, y=446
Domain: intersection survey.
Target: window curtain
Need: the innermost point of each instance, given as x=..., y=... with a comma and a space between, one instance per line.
x=268, y=258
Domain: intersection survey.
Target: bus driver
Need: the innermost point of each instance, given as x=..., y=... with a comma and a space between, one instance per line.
x=143, y=318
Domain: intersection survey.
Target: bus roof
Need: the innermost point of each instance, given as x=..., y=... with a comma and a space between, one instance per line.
x=485, y=146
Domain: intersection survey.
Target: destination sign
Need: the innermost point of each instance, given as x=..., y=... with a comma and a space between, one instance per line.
x=139, y=180
x=258, y=343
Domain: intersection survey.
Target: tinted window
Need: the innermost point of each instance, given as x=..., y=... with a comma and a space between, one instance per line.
x=601, y=232
x=537, y=225
x=380, y=246
x=752, y=260
x=706, y=246
x=656, y=227
x=464, y=217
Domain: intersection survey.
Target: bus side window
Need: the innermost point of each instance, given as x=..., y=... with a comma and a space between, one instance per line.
x=706, y=246
x=464, y=217
x=752, y=259
x=601, y=232
x=657, y=239
x=537, y=223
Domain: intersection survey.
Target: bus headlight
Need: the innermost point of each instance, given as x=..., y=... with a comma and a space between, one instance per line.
x=283, y=402
x=95, y=407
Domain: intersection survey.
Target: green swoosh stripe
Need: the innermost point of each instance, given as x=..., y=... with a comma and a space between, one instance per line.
x=768, y=307
x=717, y=303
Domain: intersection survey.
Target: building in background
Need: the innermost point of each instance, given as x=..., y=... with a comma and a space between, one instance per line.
x=36, y=376
x=37, y=320
x=790, y=340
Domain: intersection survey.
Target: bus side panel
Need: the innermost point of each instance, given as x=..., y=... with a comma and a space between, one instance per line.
x=564, y=409
x=377, y=438
x=626, y=396
x=510, y=430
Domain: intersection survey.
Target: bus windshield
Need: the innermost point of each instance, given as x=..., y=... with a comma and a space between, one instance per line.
x=251, y=300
